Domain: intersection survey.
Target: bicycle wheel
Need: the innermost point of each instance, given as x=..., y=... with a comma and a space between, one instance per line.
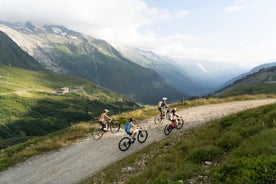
x=168, y=129
x=115, y=126
x=124, y=143
x=142, y=136
x=158, y=119
x=180, y=124
x=97, y=133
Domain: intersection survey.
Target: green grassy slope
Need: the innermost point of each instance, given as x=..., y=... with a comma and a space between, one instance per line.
x=30, y=106
x=239, y=149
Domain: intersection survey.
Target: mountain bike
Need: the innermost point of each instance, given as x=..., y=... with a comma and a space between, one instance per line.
x=125, y=142
x=112, y=125
x=178, y=124
x=166, y=115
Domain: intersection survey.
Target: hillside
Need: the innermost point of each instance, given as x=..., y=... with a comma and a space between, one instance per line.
x=11, y=54
x=162, y=161
x=31, y=106
x=263, y=81
x=62, y=50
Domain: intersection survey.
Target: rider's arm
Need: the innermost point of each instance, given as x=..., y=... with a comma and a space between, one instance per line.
x=108, y=117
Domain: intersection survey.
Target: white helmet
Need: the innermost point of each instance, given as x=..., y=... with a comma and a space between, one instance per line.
x=164, y=98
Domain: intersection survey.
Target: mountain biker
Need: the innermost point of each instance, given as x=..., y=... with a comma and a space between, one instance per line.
x=131, y=129
x=175, y=117
x=102, y=119
x=162, y=105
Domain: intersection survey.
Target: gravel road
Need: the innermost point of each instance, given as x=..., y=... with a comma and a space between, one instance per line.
x=75, y=163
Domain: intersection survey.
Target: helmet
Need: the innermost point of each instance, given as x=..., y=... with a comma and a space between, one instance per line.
x=174, y=110
x=164, y=98
x=131, y=119
x=106, y=110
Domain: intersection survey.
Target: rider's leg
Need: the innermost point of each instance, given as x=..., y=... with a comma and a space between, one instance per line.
x=104, y=125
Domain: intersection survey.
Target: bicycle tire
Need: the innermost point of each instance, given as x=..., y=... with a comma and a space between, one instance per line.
x=124, y=143
x=115, y=126
x=180, y=124
x=158, y=119
x=142, y=136
x=168, y=129
x=97, y=133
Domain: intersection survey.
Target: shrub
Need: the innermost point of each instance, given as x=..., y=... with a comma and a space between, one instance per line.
x=247, y=170
x=207, y=153
x=229, y=140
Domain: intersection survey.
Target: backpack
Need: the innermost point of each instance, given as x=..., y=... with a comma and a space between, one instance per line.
x=127, y=127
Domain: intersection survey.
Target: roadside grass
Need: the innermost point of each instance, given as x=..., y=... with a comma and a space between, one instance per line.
x=239, y=148
x=38, y=145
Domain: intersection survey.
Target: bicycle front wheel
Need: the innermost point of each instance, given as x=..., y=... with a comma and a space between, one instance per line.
x=142, y=136
x=158, y=119
x=124, y=143
x=168, y=129
x=97, y=133
x=115, y=126
x=180, y=124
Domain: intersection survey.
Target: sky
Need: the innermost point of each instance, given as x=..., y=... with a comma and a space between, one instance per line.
x=241, y=32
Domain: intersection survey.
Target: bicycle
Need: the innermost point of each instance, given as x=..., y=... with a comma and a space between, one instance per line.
x=178, y=125
x=125, y=142
x=166, y=115
x=112, y=125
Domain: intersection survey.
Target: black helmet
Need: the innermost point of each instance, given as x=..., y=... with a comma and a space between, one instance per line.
x=174, y=110
x=131, y=119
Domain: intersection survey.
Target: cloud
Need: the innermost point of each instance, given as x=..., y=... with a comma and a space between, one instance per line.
x=237, y=6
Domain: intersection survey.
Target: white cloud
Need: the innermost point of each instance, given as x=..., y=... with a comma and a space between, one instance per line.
x=237, y=6
x=182, y=13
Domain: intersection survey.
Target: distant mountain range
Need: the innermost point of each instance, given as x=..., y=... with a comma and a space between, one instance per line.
x=62, y=50
x=260, y=80
x=166, y=69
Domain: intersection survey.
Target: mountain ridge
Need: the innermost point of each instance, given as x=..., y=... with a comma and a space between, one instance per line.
x=62, y=50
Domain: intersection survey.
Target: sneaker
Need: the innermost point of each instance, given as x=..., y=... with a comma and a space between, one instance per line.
x=133, y=140
x=104, y=129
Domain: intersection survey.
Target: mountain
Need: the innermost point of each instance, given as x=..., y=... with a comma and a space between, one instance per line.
x=11, y=54
x=62, y=50
x=166, y=69
x=210, y=74
x=37, y=103
x=254, y=70
x=263, y=81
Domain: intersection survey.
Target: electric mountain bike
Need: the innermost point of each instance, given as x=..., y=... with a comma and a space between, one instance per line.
x=112, y=125
x=126, y=142
x=178, y=124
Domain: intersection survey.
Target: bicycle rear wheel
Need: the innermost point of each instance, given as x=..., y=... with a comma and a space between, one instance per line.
x=168, y=129
x=142, y=136
x=124, y=143
x=97, y=133
x=115, y=126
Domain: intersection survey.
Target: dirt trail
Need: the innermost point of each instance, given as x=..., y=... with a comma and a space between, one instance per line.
x=74, y=163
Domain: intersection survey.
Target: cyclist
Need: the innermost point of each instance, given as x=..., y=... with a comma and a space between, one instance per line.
x=131, y=129
x=162, y=106
x=175, y=117
x=102, y=119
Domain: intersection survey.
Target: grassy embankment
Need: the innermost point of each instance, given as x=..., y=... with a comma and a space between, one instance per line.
x=240, y=148
x=42, y=144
